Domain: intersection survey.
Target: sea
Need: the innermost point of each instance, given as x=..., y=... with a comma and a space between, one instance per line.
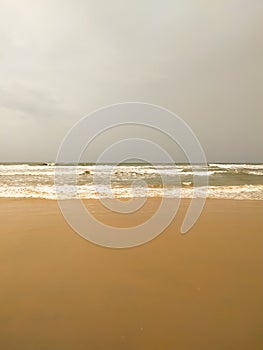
x=85, y=181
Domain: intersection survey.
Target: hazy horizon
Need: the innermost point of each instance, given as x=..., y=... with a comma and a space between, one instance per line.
x=124, y=163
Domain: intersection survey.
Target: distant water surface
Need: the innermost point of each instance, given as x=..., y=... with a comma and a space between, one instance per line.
x=36, y=180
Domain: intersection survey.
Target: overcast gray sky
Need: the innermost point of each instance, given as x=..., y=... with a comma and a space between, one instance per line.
x=62, y=59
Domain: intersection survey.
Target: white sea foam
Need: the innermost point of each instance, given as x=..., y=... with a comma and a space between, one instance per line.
x=256, y=172
x=100, y=191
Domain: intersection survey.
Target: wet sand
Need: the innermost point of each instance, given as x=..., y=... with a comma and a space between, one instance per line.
x=201, y=291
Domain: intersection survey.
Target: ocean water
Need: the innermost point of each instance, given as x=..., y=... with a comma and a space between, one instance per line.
x=50, y=181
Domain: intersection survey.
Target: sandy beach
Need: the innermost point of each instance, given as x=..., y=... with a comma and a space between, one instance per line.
x=203, y=290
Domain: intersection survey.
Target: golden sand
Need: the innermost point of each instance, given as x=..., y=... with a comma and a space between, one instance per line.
x=200, y=291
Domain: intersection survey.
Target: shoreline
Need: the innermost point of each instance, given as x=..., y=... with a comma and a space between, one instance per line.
x=183, y=199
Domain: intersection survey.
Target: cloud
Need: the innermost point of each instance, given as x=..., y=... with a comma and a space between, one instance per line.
x=29, y=101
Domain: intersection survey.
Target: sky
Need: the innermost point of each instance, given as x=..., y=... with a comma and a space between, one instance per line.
x=62, y=59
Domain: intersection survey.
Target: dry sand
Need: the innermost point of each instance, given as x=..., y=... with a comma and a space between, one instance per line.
x=201, y=291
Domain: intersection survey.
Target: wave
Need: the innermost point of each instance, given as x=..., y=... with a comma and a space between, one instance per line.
x=37, y=180
x=236, y=166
